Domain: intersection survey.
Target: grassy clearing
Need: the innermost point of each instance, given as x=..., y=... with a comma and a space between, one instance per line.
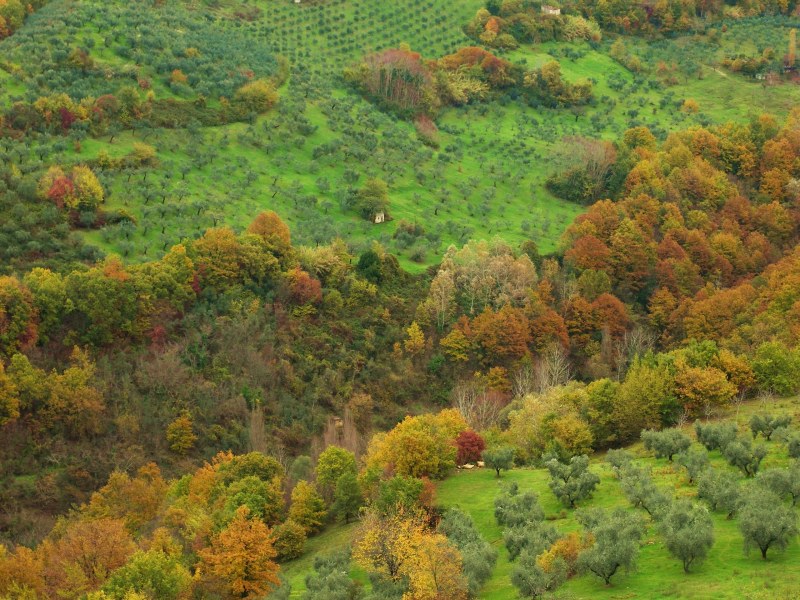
x=727, y=573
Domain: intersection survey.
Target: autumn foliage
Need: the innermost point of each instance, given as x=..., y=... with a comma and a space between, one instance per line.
x=240, y=558
x=470, y=447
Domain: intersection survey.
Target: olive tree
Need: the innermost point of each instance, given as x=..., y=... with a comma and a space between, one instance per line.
x=694, y=460
x=688, y=532
x=720, y=489
x=715, y=436
x=514, y=508
x=619, y=459
x=572, y=482
x=535, y=537
x=666, y=443
x=641, y=491
x=616, y=534
x=765, y=522
x=331, y=578
x=478, y=557
x=783, y=482
x=766, y=424
x=499, y=458
x=532, y=581
x=742, y=454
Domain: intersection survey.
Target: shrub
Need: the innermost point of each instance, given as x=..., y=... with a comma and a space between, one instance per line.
x=258, y=97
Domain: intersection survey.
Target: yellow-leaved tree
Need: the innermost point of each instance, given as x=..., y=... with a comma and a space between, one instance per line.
x=421, y=446
x=399, y=546
x=308, y=507
x=239, y=560
x=9, y=398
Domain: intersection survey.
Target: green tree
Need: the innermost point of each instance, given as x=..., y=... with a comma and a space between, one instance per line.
x=694, y=460
x=646, y=399
x=720, y=489
x=572, y=482
x=331, y=465
x=264, y=499
x=153, y=574
x=532, y=581
x=347, y=498
x=301, y=468
x=766, y=424
x=288, y=539
x=616, y=546
x=666, y=443
x=499, y=458
x=256, y=464
x=399, y=493
x=373, y=198
x=307, y=507
x=688, y=532
x=777, y=368
x=782, y=482
x=765, y=522
x=742, y=454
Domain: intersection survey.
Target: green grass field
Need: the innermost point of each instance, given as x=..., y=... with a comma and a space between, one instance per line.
x=727, y=572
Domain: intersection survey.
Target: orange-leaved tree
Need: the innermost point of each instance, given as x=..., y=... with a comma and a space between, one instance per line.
x=240, y=558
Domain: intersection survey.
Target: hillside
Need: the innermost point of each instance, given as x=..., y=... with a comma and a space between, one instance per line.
x=273, y=271
x=727, y=573
x=485, y=180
